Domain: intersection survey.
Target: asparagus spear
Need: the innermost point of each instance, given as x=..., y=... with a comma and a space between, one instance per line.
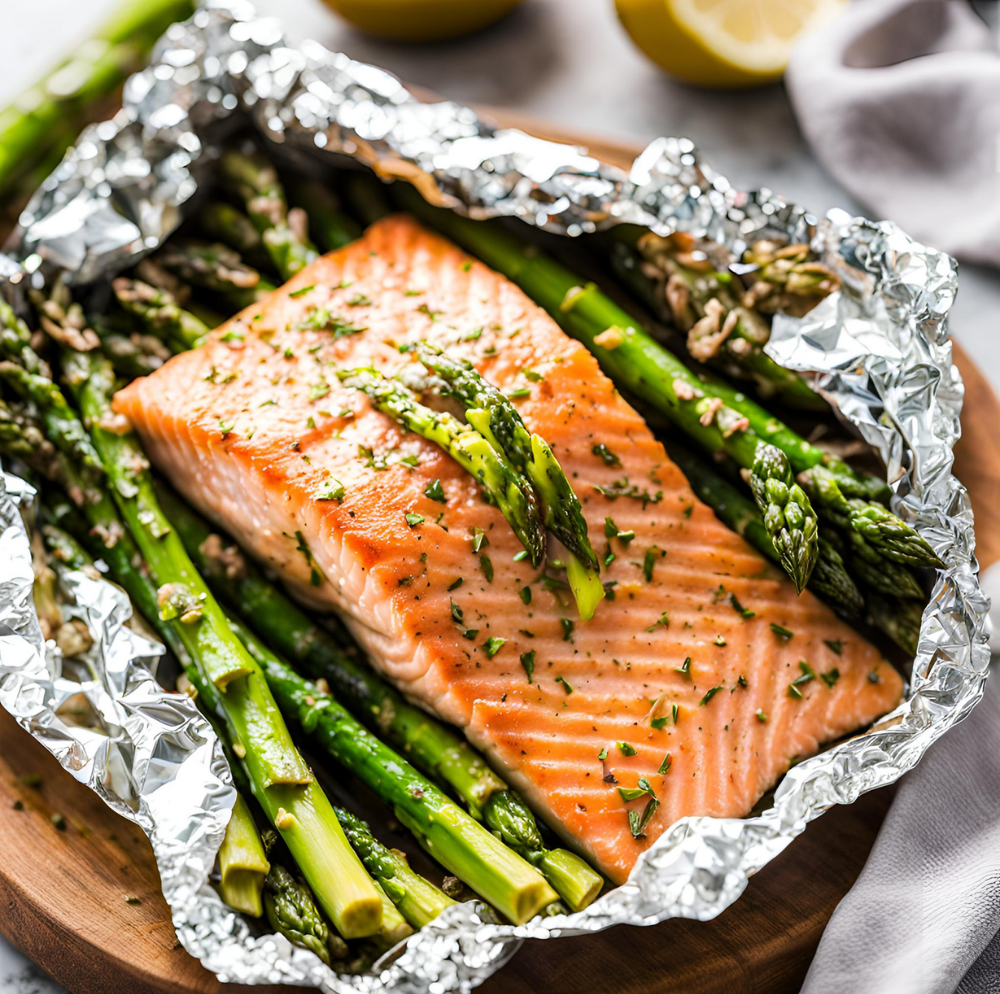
x=160, y=313
x=255, y=181
x=242, y=862
x=788, y=515
x=282, y=782
x=430, y=745
x=503, y=485
x=497, y=420
x=291, y=911
x=228, y=224
x=454, y=839
x=47, y=117
x=419, y=900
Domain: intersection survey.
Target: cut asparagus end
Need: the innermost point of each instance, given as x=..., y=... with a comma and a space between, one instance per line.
x=242, y=862
x=310, y=829
x=484, y=863
x=586, y=586
x=574, y=880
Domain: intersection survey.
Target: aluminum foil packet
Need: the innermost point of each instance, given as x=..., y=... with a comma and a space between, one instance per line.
x=878, y=349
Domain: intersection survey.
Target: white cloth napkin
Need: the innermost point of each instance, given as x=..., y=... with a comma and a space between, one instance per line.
x=900, y=100
x=924, y=915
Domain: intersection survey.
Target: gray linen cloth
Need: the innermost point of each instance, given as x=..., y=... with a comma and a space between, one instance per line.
x=900, y=100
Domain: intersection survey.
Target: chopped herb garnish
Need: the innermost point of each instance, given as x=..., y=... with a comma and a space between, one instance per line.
x=794, y=691
x=466, y=266
x=311, y=423
x=359, y=300
x=457, y=614
x=685, y=668
x=470, y=634
x=528, y=662
x=424, y=309
x=519, y=393
x=719, y=641
x=456, y=584
x=688, y=510
x=473, y=336
x=518, y=556
x=634, y=793
x=414, y=519
x=226, y=428
x=709, y=694
x=478, y=539
x=610, y=528
x=331, y=489
x=302, y=290
x=744, y=613
x=663, y=620
x=493, y=645
x=830, y=677
x=873, y=676
x=741, y=681
x=486, y=564
x=649, y=561
x=231, y=336
x=660, y=722
x=567, y=628
x=565, y=683
x=604, y=453
x=675, y=712
x=636, y=823
x=761, y=716
x=621, y=488
x=315, y=577
x=625, y=749
x=320, y=319
x=808, y=673
x=834, y=645
x=609, y=558
x=435, y=491
x=525, y=594
x=603, y=754
x=781, y=631
x=664, y=766
x=530, y=374
x=318, y=390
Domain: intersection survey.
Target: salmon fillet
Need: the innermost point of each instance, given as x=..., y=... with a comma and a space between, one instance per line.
x=681, y=659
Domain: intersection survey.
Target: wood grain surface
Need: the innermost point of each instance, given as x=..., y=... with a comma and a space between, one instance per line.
x=84, y=902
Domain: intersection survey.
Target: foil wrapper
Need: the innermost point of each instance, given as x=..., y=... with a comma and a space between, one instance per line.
x=878, y=350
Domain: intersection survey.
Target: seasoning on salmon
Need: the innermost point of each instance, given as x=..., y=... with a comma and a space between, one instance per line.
x=702, y=676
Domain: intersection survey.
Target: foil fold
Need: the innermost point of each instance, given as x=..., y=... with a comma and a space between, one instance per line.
x=878, y=350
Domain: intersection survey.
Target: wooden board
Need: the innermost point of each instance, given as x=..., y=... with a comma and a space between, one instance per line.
x=64, y=895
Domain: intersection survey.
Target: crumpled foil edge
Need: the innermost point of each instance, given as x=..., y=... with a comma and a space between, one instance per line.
x=878, y=350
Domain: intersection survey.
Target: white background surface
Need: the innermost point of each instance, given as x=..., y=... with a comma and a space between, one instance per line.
x=566, y=60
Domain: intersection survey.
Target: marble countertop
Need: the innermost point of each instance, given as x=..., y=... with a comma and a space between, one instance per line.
x=570, y=62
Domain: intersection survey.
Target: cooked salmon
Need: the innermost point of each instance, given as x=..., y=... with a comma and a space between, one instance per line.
x=702, y=671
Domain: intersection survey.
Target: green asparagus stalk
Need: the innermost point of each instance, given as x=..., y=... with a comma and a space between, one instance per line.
x=282, y=782
x=52, y=111
x=419, y=901
x=225, y=223
x=493, y=415
x=788, y=515
x=330, y=226
x=454, y=839
x=160, y=313
x=430, y=745
x=255, y=182
x=502, y=484
x=242, y=862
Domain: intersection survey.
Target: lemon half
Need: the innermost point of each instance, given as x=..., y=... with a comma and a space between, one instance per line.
x=422, y=20
x=723, y=43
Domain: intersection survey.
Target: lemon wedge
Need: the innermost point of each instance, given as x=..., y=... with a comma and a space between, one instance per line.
x=723, y=43
x=422, y=20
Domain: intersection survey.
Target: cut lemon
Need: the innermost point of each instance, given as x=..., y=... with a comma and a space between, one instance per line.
x=422, y=20
x=723, y=43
